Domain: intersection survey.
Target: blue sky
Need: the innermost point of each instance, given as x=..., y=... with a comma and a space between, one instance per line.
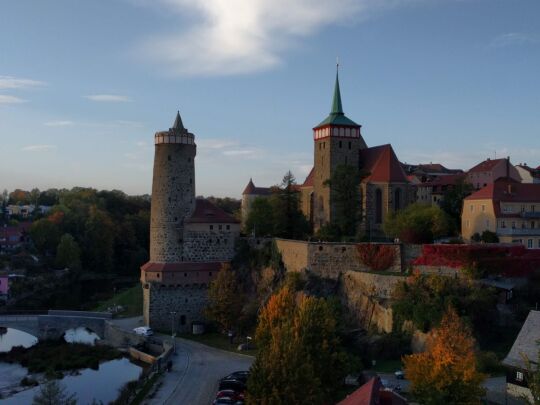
x=84, y=85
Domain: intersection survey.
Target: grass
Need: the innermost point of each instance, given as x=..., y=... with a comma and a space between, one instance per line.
x=131, y=299
x=387, y=366
x=141, y=395
x=218, y=341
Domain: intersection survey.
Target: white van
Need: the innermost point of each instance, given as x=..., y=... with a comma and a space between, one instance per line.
x=144, y=331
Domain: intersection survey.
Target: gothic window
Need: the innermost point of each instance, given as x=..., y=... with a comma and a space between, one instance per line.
x=211, y=227
x=228, y=227
x=397, y=199
x=378, y=206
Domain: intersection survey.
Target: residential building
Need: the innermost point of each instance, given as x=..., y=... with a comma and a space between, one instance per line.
x=373, y=393
x=506, y=207
x=528, y=174
x=525, y=349
x=433, y=190
x=14, y=237
x=489, y=170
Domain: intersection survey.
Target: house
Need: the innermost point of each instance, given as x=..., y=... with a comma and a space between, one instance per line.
x=373, y=393
x=14, y=237
x=525, y=348
x=506, y=207
x=250, y=194
x=432, y=191
x=528, y=174
x=489, y=170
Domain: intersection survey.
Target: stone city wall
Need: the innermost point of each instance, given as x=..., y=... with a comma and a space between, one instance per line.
x=187, y=302
x=209, y=246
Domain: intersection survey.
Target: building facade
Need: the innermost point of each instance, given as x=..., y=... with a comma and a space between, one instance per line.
x=190, y=238
x=506, y=207
x=486, y=172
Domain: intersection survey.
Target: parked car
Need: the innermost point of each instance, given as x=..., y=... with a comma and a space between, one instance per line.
x=238, y=375
x=232, y=384
x=400, y=375
x=144, y=331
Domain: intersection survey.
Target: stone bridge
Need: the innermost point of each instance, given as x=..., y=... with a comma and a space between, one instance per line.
x=54, y=324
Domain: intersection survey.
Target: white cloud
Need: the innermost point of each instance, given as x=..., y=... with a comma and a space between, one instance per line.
x=10, y=82
x=226, y=37
x=514, y=38
x=58, y=123
x=38, y=148
x=5, y=99
x=108, y=98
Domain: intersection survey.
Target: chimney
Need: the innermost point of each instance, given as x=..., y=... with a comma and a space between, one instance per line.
x=508, y=167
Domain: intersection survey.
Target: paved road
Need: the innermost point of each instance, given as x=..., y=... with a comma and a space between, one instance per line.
x=195, y=372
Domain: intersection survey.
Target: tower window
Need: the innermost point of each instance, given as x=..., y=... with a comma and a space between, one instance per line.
x=211, y=227
x=210, y=274
x=340, y=144
x=189, y=160
x=190, y=181
x=169, y=158
x=182, y=320
x=220, y=227
x=349, y=145
x=228, y=227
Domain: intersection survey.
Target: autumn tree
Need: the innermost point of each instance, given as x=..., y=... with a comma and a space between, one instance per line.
x=68, y=253
x=225, y=299
x=445, y=373
x=53, y=393
x=300, y=360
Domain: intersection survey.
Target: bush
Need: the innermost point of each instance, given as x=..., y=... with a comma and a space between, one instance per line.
x=376, y=257
x=488, y=363
x=489, y=237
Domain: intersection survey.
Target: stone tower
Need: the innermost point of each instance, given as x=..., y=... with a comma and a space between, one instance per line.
x=173, y=192
x=337, y=142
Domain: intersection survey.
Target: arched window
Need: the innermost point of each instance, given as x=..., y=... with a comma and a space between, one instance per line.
x=397, y=199
x=378, y=206
x=182, y=320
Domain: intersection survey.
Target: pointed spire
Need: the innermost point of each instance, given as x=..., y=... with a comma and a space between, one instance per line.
x=178, y=122
x=337, y=108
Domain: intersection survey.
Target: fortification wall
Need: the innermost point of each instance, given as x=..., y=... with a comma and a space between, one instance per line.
x=188, y=302
x=294, y=254
x=209, y=245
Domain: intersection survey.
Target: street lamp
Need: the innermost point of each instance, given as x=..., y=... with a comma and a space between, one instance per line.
x=173, y=314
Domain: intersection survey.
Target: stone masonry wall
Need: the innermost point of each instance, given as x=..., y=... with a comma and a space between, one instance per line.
x=188, y=302
x=294, y=254
x=209, y=245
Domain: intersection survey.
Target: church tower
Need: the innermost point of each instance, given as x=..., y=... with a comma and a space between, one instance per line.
x=337, y=142
x=173, y=192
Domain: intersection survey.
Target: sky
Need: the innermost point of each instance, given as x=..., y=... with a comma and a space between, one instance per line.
x=84, y=85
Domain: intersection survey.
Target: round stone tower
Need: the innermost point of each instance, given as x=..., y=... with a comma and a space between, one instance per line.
x=173, y=192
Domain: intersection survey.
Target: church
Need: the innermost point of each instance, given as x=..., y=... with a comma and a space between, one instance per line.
x=338, y=141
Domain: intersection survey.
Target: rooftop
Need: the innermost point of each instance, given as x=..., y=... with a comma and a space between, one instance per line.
x=526, y=344
x=206, y=212
x=336, y=116
x=486, y=166
x=508, y=190
x=382, y=164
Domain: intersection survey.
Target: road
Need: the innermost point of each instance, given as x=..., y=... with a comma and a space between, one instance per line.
x=195, y=373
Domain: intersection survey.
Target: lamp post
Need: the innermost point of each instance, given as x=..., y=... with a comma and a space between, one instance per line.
x=173, y=314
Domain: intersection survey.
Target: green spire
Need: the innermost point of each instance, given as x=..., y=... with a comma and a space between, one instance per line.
x=337, y=108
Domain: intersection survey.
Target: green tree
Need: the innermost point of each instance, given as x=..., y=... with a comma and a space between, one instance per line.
x=345, y=193
x=452, y=202
x=99, y=241
x=225, y=299
x=418, y=223
x=46, y=235
x=300, y=360
x=289, y=221
x=489, y=237
x=53, y=393
x=68, y=253
x=260, y=218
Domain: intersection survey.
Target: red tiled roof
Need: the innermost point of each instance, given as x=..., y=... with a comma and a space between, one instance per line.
x=367, y=394
x=382, y=164
x=508, y=190
x=251, y=189
x=206, y=212
x=486, y=165
x=308, y=182
x=445, y=180
x=181, y=267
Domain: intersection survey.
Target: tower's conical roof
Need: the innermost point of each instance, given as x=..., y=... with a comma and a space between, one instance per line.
x=178, y=122
x=337, y=117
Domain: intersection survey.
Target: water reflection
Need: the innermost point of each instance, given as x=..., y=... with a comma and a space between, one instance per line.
x=81, y=335
x=102, y=385
x=14, y=337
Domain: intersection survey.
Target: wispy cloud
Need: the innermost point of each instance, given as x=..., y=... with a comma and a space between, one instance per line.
x=11, y=82
x=108, y=98
x=58, y=123
x=5, y=99
x=227, y=37
x=513, y=39
x=38, y=148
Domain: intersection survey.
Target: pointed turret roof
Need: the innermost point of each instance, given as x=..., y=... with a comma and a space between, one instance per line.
x=337, y=117
x=178, y=122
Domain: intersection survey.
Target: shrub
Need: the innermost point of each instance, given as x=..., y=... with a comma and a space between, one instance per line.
x=489, y=237
x=376, y=257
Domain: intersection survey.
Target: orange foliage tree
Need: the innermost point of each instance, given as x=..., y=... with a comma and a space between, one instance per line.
x=446, y=372
x=376, y=257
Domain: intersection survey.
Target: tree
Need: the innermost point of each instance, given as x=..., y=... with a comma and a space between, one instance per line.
x=452, y=201
x=300, y=360
x=489, y=237
x=260, y=218
x=289, y=221
x=446, y=372
x=345, y=193
x=68, y=253
x=99, y=240
x=418, y=223
x=53, y=393
x=225, y=300
x=533, y=379
x=45, y=234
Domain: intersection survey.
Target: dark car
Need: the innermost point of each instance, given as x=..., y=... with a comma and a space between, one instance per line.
x=238, y=375
x=232, y=384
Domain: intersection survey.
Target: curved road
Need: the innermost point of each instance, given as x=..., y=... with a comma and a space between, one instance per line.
x=195, y=373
